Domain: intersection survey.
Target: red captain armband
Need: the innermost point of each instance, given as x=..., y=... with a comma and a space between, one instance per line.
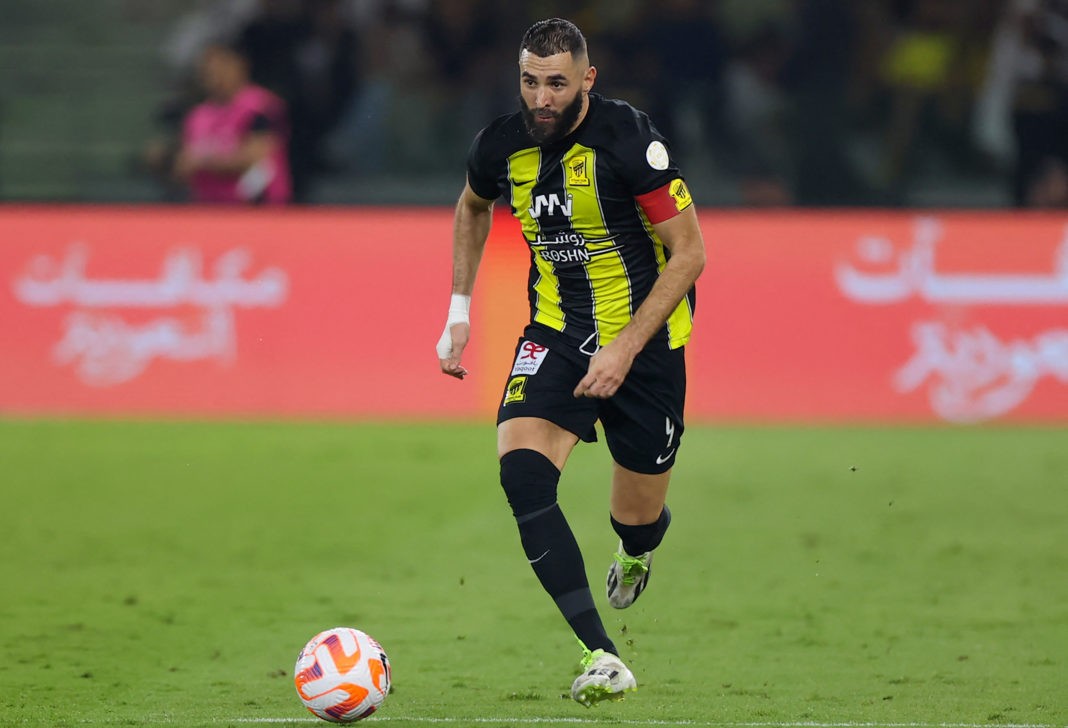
x=665, y=202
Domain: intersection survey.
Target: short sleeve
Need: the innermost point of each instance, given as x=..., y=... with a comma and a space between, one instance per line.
x=665, y=202
x=650, y=171
x=480, y=173
x=644, y=156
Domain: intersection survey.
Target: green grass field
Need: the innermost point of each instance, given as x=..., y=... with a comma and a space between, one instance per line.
x=167, y=574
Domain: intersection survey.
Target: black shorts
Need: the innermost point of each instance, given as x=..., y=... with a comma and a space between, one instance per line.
x=642, y=421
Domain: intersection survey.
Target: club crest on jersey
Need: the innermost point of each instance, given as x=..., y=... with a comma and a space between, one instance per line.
x=516, y=391
x=681, y=194
x=577, y=171
x=529, y=358
x=551, y=204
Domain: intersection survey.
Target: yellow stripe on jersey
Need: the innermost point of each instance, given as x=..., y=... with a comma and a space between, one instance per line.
x=547, y=305
x=680, y=322
x=523, y=167
x=606, y=272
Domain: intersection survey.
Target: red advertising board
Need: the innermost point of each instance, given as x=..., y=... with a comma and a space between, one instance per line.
x=883, y=317
x=189, y=311
x=821, y=316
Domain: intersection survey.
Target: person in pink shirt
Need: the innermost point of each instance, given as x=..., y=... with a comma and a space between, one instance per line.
x=234, y=143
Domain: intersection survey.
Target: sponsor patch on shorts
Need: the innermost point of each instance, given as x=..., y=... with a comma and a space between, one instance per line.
x=529, y=359
x=516, y=390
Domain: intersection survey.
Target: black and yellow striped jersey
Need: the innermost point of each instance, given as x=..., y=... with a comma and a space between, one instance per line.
x=587, y=205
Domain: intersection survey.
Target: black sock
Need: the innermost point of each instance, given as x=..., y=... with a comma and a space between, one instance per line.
x=645, y=537
x=555, y=557
x=529, y=479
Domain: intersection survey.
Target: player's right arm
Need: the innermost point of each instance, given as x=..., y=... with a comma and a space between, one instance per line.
x=471, y=226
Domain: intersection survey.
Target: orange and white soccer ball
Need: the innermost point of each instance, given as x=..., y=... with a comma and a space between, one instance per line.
x=342, y=675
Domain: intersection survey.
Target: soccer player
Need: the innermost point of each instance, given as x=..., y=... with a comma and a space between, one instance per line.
x=615, y=250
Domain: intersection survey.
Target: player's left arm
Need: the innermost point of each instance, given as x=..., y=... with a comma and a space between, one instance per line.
x=608, y=368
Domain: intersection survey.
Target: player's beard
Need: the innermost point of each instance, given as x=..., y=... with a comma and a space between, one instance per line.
x=544, y=133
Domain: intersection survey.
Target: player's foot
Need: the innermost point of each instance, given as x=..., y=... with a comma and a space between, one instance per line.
x=627, y=577
x=604, y=677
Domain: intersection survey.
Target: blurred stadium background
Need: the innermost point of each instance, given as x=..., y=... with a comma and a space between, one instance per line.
x=897, y=144
x=768, y=102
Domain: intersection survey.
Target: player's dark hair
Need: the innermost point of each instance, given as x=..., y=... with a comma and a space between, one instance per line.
x=554, y=35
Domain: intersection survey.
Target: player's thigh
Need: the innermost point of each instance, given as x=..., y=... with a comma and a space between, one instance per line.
x=534, y=433
x=538, y=409
x=643, y=421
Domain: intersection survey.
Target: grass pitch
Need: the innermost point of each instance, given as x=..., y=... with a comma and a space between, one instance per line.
x=167, y=574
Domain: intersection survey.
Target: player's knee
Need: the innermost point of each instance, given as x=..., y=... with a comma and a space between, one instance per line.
x=529, y=480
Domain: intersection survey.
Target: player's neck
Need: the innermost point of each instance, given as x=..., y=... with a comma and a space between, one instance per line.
x=582, y=114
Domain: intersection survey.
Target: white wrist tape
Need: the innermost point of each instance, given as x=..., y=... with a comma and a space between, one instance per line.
x=459, y=313
x=459, y=309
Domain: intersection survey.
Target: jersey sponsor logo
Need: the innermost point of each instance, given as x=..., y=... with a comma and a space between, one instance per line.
x=570, y=247
x=551, y=204
x=681, y=194
x=577, y=171
x=567, y=255
x=516, y=391
x=656, y=155
x=571, y=238
x=529, y=359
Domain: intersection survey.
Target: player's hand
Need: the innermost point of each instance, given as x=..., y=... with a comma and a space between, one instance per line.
x=608, y=368
x=451, y=347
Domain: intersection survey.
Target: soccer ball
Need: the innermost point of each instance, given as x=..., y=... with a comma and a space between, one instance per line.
x=342, y=675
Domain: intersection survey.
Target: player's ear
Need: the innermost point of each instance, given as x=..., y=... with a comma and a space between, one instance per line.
x=589, y=79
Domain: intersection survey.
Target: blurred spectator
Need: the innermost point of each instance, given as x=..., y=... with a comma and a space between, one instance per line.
x=930, y=73
x=306, y=52
x=203, y=22
x=387, y=121
x=234, y=143
x=811, y=102
x=678, y=55
x=1022, y=114
x=329, y=70
x=756, y=118
x=462, y=40
x=817, y=76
